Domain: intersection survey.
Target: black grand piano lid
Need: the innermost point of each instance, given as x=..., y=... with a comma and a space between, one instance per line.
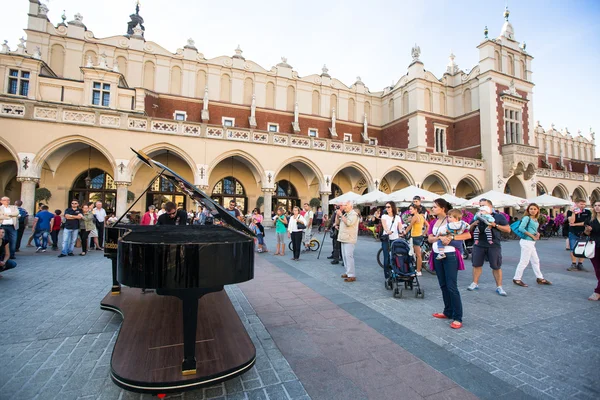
x=215, y=208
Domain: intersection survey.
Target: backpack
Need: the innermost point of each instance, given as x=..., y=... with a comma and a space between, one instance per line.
x=515, y=227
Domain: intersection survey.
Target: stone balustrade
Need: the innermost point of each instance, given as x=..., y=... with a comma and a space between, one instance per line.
x=576, y=176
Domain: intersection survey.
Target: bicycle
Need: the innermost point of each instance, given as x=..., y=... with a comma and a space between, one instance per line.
x=313, y=245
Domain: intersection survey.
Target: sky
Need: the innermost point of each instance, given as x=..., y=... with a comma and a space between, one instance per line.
x=372, y=39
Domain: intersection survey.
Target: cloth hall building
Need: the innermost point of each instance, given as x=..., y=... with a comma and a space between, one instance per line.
x=72, y=105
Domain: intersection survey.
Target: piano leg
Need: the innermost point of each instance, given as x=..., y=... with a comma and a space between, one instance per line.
x=116, y=286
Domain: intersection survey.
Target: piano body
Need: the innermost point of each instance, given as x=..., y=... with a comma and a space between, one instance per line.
x=185, y=333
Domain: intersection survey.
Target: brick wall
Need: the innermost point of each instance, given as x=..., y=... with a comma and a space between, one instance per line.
x=395, y=135
x=465, y=140
x=218, y=111
x=263, y=118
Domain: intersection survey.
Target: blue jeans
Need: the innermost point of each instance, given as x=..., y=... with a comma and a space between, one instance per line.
x=573, y=238
x=10, y=264
x=10, y=233
x=69, y=239
x=447, y=274
x=385, y=246
x=36, y=238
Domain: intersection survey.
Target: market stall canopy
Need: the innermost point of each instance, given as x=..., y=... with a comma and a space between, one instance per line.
x=348, y=196
x=498, y=199
x=546, y=200
x=407, y=194
x=454, y=200
x=374, y=198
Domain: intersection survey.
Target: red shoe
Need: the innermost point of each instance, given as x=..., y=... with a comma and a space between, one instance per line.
x=439, y=315
x=456, y=325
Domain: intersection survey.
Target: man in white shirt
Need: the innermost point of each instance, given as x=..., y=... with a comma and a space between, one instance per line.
x=100, y=216
x=308, y=216
x=9, y=216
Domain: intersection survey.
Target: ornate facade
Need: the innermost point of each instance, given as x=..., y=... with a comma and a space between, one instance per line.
x=71, y=106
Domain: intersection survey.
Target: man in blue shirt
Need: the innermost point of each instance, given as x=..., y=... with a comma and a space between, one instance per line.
x=42, y=225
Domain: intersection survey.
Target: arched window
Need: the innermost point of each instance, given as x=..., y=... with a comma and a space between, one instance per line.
x=316, y=103
x=523, y=71
x=200, y=83
x=228, y=189
x=467, y=101
x=497, y=61
x=57, y=59
x=427, y=100
x=405, y=103
x=248, y=90
x=391, y=110
x=175, y=80
x=351, y=109
x=122, y=63
x=162, y=191
x=270, y=103
x=291, y=98
x=95, y=185
x=285, y=196
x=511, y=65
x=149, y=75
x=442, y=103
x=225, y=88
x=368, y=110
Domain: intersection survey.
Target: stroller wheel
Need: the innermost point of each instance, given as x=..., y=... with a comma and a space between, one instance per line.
x=388, y=284
x=398, y=293
x=420, y=293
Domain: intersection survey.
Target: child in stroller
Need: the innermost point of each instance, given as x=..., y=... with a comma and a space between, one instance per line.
x=403, y=269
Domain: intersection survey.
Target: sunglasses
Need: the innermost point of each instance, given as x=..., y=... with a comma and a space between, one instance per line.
x=388, y=206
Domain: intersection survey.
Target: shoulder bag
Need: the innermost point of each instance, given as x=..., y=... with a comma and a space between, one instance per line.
x=585, y=248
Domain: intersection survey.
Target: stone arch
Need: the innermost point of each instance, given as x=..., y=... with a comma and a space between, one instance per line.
x=467, y=101
x=580, y=192
x=351, y=109
x=442, y=103
x=595, y=196
x=333, y=102
x=175, y=80
x=306, y=167
x=135, y=163
x=49, y=149
x=368, y=110
x=251, y=162
x=200, y=83
x=248, y=91
x=541, y=189
x=391, y=110
x=8, y=170
x=316, y=103
x=405, y=107
x=427, y=100
x=497, y=61
x=4, y=143
x=443, y=184
x=561, y=191
x=291, y=98
x=122, y=64
x=468, y=186
x=270, y=95
x=530, y=171
x=514, y=186
x=57, y=59
x=225, y=88
x=148, y=79
x=511, y=65
x=360, y=170
x=390, y=176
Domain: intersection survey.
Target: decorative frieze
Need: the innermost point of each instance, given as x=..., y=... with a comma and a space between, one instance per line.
x=336, y=146
x=319, y=144
x=369, y=150
x=352, y=148
x=137, y=124
x=235, y=134
x=214, y=132
x=79, y=117
x=47, y=114
x=302, y=142
x=112, y=121
x=412, y=156
x=164, y=127
x=193, y=130
x=383, y=152
x=398, y=154
x=260, y=137
x=280, y=140
x=12, y=110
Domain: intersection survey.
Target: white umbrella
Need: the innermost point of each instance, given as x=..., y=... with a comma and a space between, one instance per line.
x=374, y=198
x=348, y=196
x=546, y=200
x=454, y=200
x=407, y=194
x=498, y=199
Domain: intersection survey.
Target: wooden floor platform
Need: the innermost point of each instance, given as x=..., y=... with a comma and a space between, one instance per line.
x=149, y=349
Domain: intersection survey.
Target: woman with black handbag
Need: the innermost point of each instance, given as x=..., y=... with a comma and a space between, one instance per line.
x=296, y=224
x=391, y=224
x=592, y=229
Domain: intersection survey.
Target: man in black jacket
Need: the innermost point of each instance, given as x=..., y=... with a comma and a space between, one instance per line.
x=172, y=215
x=333, y=227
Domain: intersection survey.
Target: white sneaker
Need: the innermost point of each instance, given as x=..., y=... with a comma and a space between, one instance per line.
x=419, y=273
x=594, y=297
x=473, y=286
x=38, y=249
x=501, y=291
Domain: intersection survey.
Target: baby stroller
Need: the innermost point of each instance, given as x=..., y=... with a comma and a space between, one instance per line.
x=403, y=270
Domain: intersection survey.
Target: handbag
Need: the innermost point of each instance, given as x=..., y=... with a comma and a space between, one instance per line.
x=300, y=225
x=384, y=238
x=515, y=228
x=585, y=248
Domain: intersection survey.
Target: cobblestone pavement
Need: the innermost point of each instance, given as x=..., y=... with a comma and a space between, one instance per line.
x=543, y=340
x=55, y=342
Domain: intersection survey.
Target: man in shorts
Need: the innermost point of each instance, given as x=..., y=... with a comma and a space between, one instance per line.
x=491, y=251
x=308, y=216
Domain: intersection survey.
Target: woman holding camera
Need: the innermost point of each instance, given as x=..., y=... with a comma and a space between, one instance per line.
x=296, y=224
x=391, y=224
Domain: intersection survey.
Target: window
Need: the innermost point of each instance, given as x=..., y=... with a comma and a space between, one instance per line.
x=512, y=126
x=180, y=116
x=18, y=82
x=313, y=132
x=440, y=139
x=373, y=141
x=273, y=127
x=228, y=122
x=347, y=137
x=101, y=94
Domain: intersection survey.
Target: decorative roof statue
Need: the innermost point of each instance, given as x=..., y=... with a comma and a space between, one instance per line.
x=415, y=53
x=205, y=116
x=592, y=135
x=485, y=32
x=78, y=21
x=252, y=117
x=190, y=44
x=365, y=133
x=524, y=47
x=325, y=71
x=136, y=19
x=21, y=46
x=89, y=63
x=358, y=80
x=138, y=32
x=37, y=54
x=43, y=10
x=284, y=63
x=333, y=120
x=452, y=67
x=116, y=68
x=512, y=90
x=63, y=17
x=507, y=29
x=5, y=48
x=296, y=124
x=238, y=53
x=102, y=62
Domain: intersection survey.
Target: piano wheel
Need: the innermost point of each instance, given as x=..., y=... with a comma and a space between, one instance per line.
x=116, y=290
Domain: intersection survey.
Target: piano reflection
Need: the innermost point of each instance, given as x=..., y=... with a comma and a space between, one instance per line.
x=186, y=334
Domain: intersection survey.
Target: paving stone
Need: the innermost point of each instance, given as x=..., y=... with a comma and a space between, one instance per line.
x=276, y=392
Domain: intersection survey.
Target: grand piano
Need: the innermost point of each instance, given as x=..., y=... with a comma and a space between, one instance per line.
x=180, y=330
